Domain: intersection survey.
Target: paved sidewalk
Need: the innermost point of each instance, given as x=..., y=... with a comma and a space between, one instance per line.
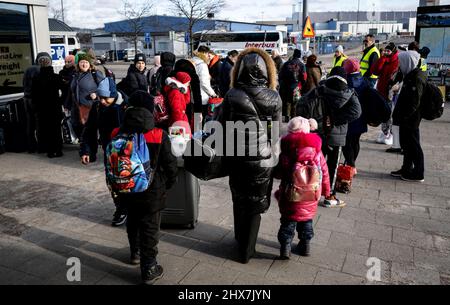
x=51, y=210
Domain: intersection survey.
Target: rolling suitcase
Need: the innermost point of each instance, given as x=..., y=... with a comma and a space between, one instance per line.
x=2, y=141
x=13, y=121
x=182, y=200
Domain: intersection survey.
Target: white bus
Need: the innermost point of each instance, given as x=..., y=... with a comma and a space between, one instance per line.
x=24, y=32
x=267, y=40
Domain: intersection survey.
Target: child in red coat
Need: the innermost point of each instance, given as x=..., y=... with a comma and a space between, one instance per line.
x=301, y=152
x=178, y=94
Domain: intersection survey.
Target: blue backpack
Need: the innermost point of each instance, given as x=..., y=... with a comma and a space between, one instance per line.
x=128, y=167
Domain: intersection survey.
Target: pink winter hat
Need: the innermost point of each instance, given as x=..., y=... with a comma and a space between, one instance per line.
x=351, y=65
x=299, y=124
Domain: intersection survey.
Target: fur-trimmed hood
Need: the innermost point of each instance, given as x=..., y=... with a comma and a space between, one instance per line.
x=254, y=68
x=201, y=56
x=172, y=82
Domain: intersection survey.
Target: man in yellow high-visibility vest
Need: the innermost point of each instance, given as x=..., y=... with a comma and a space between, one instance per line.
x=424, y=52
x=339, y=57
x=370, y=56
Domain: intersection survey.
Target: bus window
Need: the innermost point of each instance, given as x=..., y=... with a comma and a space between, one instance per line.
x=16, y=53
x=57, y=40
x=71, y=41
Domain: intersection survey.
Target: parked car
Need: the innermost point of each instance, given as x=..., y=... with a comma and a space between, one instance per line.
x=129, y=54
x=101, y=59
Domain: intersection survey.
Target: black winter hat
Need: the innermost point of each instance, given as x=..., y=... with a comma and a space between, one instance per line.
x=297, y=53
x=142, y=99
x=168, y=59
x=140, y=57
x=337, y=80
x=391, y=46
x=424, y=52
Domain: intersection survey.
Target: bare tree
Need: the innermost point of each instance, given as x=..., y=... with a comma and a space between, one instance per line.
x=57, y=14
x=135, y=15
x=56, y=11
x=196, y=11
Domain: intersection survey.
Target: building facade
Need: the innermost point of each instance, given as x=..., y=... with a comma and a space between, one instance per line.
x=168, y=34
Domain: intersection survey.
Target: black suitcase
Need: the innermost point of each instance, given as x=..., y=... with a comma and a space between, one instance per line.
x=2, y=141
x=13, y=121
x=182, y=200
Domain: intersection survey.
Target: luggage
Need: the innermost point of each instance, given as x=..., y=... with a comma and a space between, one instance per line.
x=344, y=179
x=182, y=200
x=208, y=165
x=2, y=141
x=161, y=111
x=68, y=133
x=13, y=121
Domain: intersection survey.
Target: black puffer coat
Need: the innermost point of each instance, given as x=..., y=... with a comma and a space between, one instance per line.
x=341, y=105
x=136, y=80
x=252, y=99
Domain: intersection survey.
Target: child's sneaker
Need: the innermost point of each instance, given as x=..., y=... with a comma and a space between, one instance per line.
x=389, y=139
x=150, y=274
x=333, y=202
x=285, y=252
x=380, y=139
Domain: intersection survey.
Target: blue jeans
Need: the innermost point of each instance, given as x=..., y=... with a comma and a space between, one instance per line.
x=287, y=231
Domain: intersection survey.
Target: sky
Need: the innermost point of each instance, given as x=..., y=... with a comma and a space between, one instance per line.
x=94, y=13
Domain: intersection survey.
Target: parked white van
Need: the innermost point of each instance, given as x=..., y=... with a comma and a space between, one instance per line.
x=129, y=54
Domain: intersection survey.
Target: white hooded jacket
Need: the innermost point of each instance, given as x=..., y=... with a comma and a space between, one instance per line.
x=205, y=79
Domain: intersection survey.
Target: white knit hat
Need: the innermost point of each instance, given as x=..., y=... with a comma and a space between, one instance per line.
x=299, y=124
x=340, y=49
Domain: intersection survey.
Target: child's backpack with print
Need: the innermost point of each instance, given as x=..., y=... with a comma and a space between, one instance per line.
x=306, y=182
x=128, y=167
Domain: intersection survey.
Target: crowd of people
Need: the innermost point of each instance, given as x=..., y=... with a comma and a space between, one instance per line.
x=325, y=118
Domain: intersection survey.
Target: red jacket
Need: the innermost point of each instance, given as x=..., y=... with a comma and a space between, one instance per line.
x=385, y=68
x=178, y=102
x=292, y=151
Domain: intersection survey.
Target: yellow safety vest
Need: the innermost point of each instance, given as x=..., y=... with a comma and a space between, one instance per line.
x=365, y=61
x=340, y=61
x=423, y=65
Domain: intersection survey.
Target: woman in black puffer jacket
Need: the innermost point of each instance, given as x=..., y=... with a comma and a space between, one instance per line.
x=136, y=79
x=252, y=99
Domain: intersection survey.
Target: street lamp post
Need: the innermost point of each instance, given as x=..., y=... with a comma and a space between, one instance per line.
x=62, y=10
x=357, y=18
x=115, y=49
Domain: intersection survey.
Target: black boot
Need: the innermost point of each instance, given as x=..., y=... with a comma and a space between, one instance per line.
x=304, y=248
x=285, y=252
x=248, y=237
